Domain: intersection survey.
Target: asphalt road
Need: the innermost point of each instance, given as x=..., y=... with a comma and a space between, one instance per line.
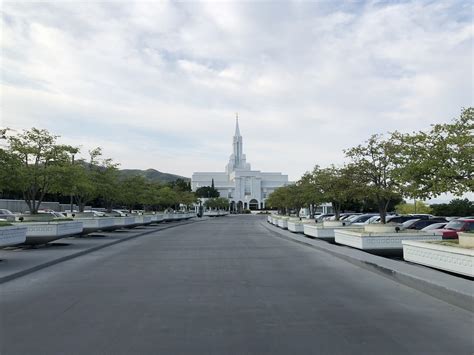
x=224, y=286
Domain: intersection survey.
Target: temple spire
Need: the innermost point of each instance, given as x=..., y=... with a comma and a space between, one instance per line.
x=237, y=130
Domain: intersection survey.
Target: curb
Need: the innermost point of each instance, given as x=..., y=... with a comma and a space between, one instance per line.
x=83, y=252
x=460, y=298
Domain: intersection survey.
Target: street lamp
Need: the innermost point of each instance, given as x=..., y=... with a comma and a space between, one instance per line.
x=72, y=163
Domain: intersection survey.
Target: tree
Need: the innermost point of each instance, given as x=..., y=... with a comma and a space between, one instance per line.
x=374, y=171
x=133, y=191
x=337, y=186
x=41, y=163
x=280, y=199
x=106, y=180
x=10, y=165
x=438, y=161
x=207, y=192
x=218, y=203
x=456, y=207
x=180, y=185
x=80, y=179
x=417, y=207
x=310, y=193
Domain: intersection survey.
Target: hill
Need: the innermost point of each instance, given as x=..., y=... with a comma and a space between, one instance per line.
x=153, y=175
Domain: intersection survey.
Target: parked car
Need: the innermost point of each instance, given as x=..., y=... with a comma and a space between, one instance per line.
x=434, y=226
x=119, y=213
x=404, y=218
x=419, y=224
x=95, y=213
x=342, y=216
x=450, y=231
x=53, y=213
x=359, y=220
x=7, y=215
x=321, y=217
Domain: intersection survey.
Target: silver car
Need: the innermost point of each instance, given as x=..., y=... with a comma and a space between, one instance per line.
x=7, y=215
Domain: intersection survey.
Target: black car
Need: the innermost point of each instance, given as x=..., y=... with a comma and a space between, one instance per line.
x=422, y=223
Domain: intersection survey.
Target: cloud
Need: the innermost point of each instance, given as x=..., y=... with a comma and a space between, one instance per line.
x=157, y=83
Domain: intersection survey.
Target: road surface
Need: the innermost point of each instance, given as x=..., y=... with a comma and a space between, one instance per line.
x=223, y=286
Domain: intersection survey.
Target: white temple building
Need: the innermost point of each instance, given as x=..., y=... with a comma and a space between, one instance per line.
x=245, y=188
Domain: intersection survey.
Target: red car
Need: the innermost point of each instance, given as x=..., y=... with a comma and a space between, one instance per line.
x=450, y=231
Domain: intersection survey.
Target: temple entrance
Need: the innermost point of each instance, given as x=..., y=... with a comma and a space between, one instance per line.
x=232, y=207
x=253, y=205
x=240, y=207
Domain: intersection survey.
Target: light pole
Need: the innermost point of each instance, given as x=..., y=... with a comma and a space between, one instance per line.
x=72, y=164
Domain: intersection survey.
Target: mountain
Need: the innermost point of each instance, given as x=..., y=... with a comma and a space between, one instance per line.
x=153, y=175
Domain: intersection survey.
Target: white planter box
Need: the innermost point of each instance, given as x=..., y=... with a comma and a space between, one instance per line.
x=12, y=235
x=453, y=259
x=122, y=222
x=380, y=241
x=91, y=225
x=44, y=232
x=320, y=231
x=269, y=219
x=282, y=223
x=142, y=220
x=159, y=218
x=296, y=226
x=466, y=239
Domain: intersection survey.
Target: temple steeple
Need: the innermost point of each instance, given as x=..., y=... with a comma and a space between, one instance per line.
x=237, y=130
x=237, y=159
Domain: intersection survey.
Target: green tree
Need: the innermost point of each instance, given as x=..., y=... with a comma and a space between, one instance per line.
x=218, y=203
x=42, y=164
x=456, y=207
x=373, y=168
x=280, y=199
x=106, y=181
x=438, y=161
x=133, y=191
x=337, y=186
x=406, y=208
x=207, y=192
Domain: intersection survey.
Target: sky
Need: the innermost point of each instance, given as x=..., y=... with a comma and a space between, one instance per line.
x=158, y=84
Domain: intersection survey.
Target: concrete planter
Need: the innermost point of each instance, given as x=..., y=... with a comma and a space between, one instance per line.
x=40, y=217
x=381, y=228
x=283, y=222
x=11, y=235
x=295, y=226
x=334, y=224
x=380, y=242
x=44, y=232
x=142, y=220
x=453, y=259
x=91, y=225
x=157, y=218
x=325, y=230
x=123, y=222
x=466, y=239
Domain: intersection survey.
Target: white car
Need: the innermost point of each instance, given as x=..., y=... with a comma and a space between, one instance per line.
x=434, y=226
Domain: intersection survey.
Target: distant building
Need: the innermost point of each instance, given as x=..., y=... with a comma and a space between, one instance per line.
x=245, y=188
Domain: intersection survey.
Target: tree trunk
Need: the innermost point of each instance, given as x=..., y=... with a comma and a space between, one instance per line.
x=337, y=210
x=383, y=211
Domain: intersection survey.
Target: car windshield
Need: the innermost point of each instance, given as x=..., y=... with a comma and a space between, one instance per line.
x=409, y=222
x=455, y=225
